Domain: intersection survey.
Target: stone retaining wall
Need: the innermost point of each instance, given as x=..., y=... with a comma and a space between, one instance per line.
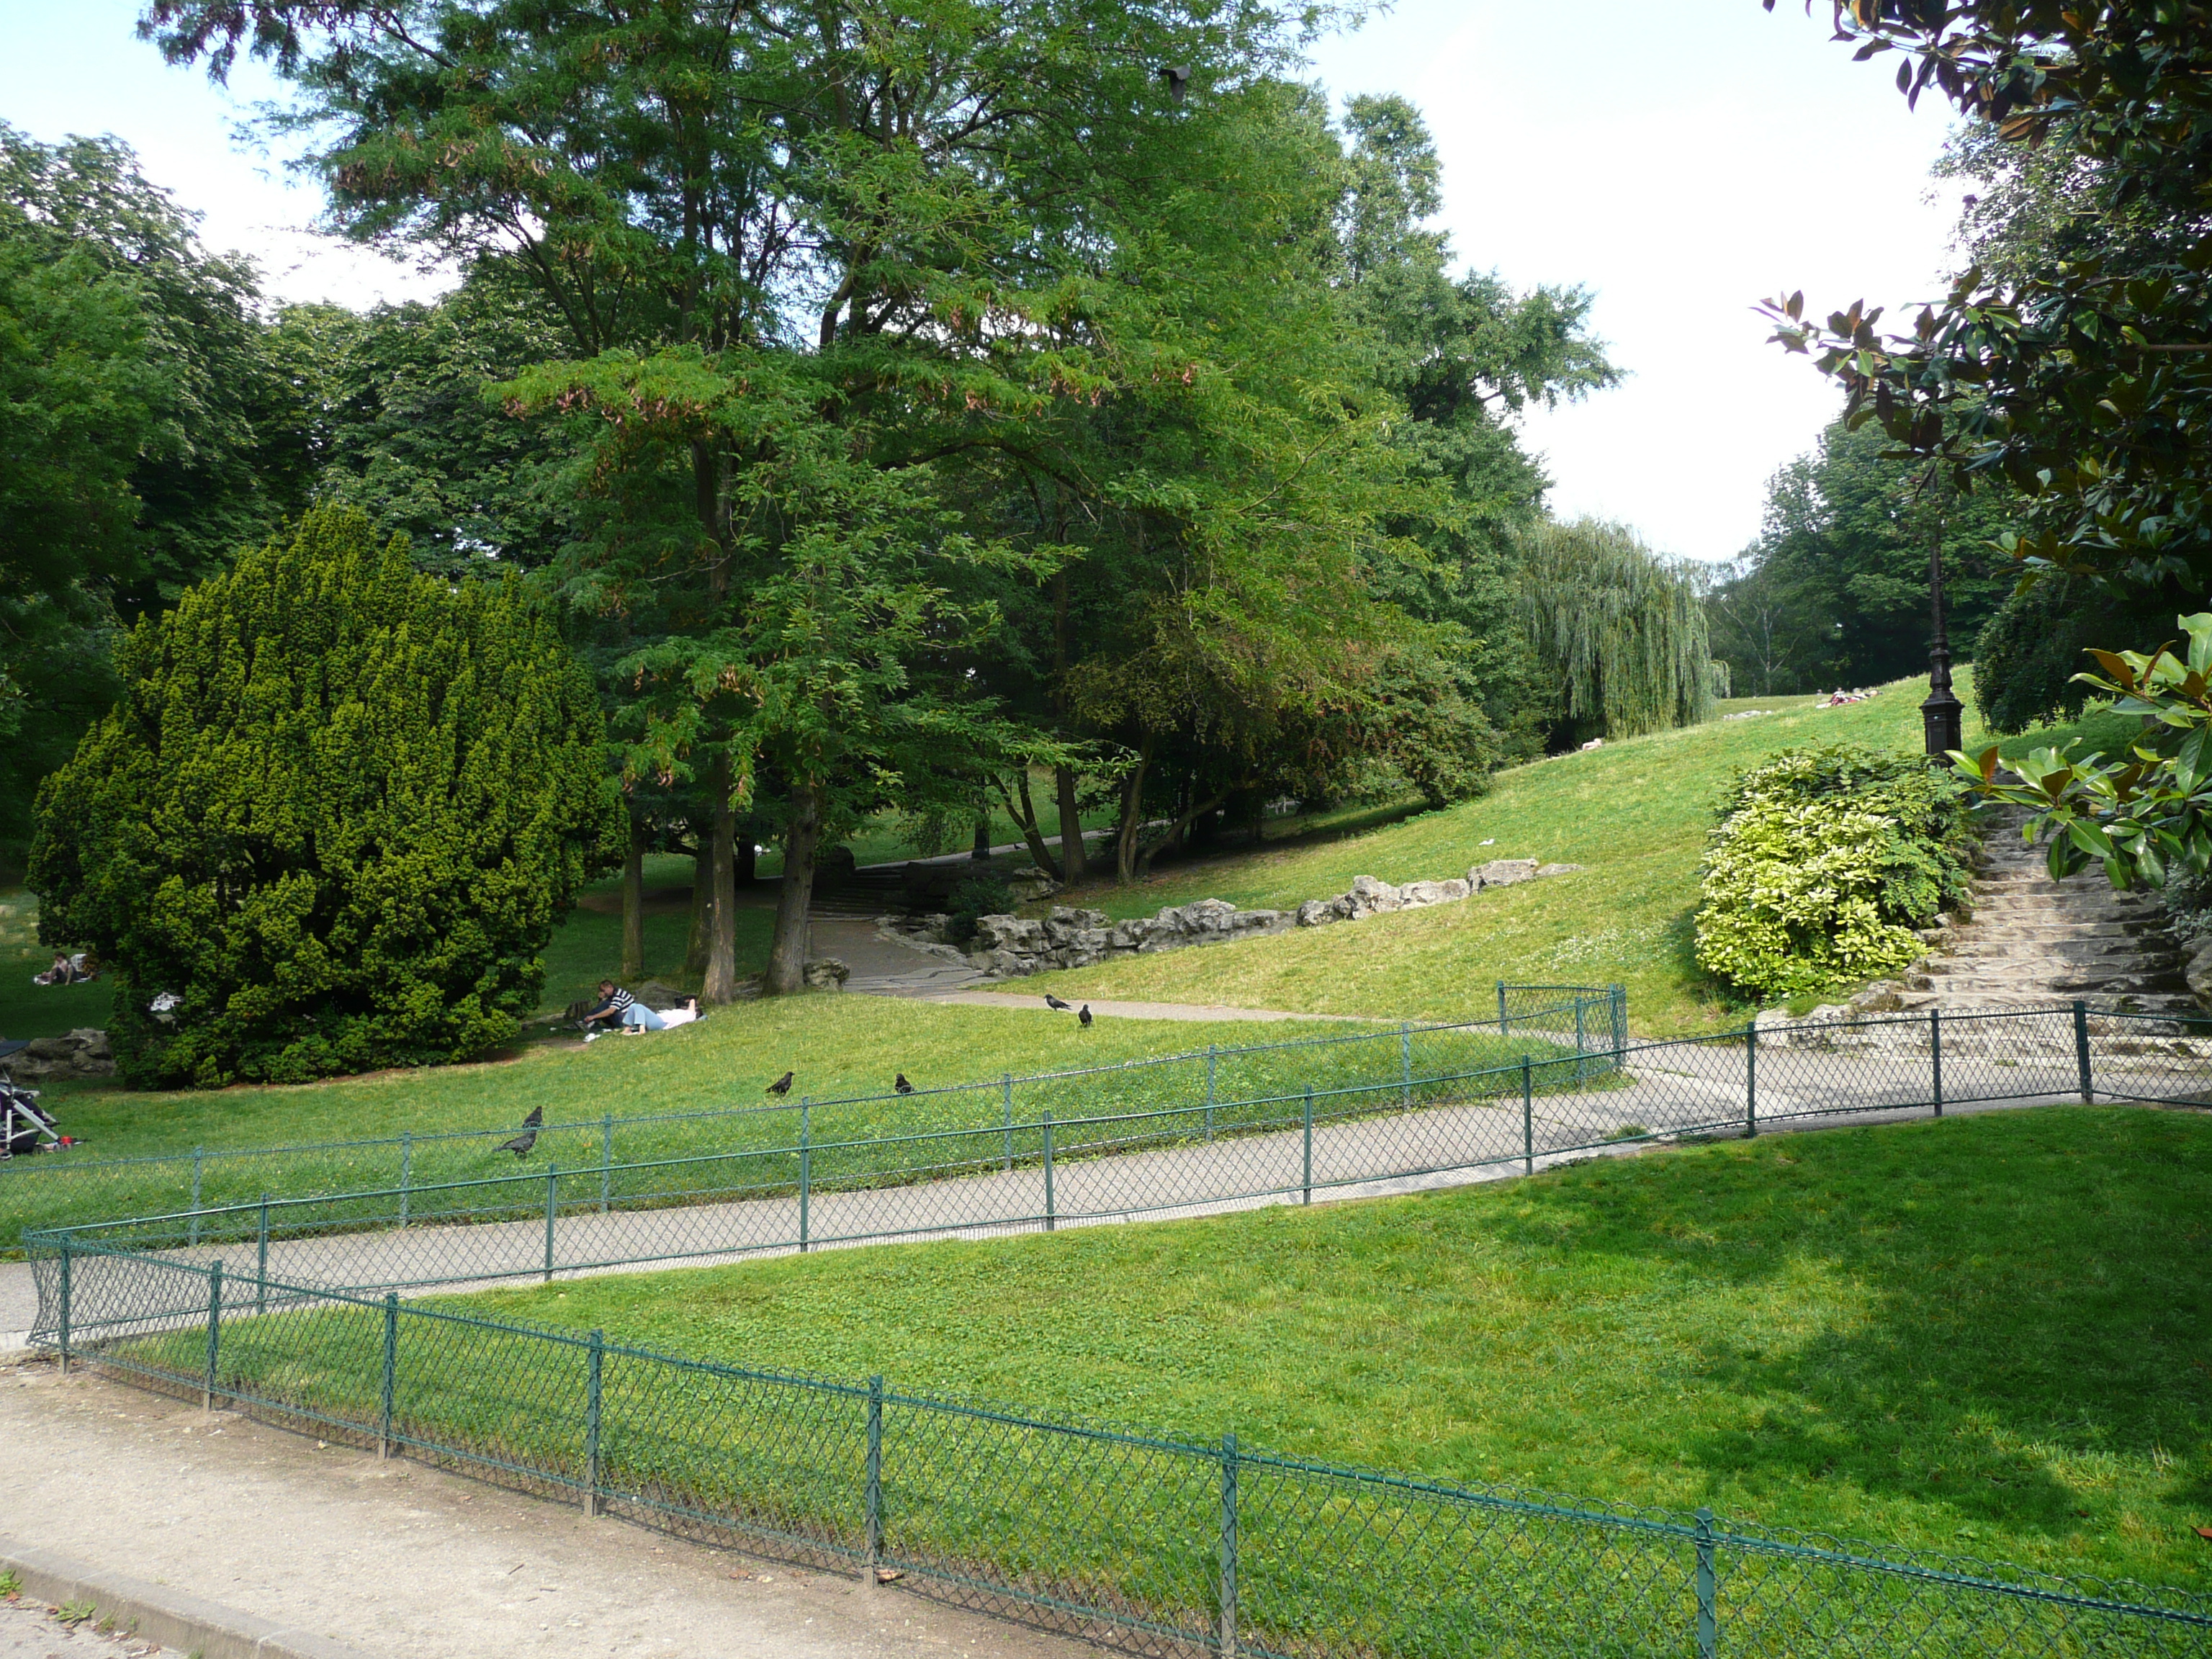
x=1008, y=947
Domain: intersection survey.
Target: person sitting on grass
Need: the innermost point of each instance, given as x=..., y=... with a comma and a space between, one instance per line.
x=613, y=1006
x=67, y=970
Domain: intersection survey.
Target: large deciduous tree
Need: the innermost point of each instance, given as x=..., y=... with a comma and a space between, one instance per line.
x=334, y=817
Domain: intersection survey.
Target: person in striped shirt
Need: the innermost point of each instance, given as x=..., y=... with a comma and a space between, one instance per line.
x=613, y=1004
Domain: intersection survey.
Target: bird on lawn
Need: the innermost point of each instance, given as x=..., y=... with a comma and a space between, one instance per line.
x=903, y=1085
x=521, y=1143
x=781, y=1085
x=1052, y=1001
x=1085, y=1015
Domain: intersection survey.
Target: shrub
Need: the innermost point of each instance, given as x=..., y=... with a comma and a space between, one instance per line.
x=1824, y=861
x=978, y=896
x=336, y=814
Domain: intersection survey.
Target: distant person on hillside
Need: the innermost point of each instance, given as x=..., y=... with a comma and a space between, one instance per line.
x=67, y=970
x=611, y=1009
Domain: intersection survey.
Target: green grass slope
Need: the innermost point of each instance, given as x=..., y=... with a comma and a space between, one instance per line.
x=1635, y=813
x=1990, y=1335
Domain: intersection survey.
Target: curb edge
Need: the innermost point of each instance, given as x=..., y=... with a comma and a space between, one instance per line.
x=171, y=1617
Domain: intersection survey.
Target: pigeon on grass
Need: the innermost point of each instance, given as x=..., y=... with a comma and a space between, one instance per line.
x=521, y=1143
x=903, y=1085
x=1085, y=1015
x=1054, y=1002
x=781, y=1085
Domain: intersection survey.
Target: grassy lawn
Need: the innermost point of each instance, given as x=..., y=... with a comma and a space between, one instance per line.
x=1635, y=813
x=1990, y=1335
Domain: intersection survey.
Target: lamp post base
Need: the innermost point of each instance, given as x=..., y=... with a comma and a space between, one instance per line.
x=1942, y=719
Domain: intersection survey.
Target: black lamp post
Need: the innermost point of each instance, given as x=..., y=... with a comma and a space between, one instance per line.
x=1940, y=713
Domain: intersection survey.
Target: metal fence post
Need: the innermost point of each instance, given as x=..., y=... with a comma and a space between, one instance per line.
x=1750, y=1081
x=805, y=1173
x=261, y=1261
x=1528, y=1118
x=1405, y=1061
x=1501, y=1007
x=552, y=1203
x=214, y=1337
x=1006, y=1088
x=1708, y=1620
x=1209, y=1090
x=1049, y=1217
x=1618, y=995
x=872, y=1498
x=1308, y=1164
x=1229, y=1546
x=1935, y=1055
x=596, y=1361
x=385, y=1395
x=2082, y=1052
x=606, y=1160
x=198, y=1154
x=1581, y=1042
x=406, y=1173
x=65, y=1304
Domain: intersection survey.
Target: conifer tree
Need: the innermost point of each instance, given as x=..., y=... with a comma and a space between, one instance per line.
x=335, y=815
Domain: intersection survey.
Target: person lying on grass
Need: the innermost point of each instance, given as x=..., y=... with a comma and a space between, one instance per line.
x=640, y=1018
x=637, y=1018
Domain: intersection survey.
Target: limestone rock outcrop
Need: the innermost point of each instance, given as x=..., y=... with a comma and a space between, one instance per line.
x=1008, y=947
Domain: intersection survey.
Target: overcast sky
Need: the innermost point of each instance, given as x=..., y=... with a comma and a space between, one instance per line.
x=1681, y=161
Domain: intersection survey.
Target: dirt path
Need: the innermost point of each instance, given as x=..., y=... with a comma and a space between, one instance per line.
x=399, y=1560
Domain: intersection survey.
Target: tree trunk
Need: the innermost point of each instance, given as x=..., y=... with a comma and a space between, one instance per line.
x=1022, y=811
x=721, y=984
x=1073, y=857
x=981, y=850
x=1176, y=831
x=633, y=901
x=701, y=941
x=1132, y=815
x=787, y=954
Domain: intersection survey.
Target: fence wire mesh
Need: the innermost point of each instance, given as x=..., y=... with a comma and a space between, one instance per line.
x=1144, y=1544
x=289, y=1307
x=56, y=1189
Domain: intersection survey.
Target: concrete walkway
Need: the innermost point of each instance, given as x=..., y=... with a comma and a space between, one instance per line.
x=405, y=1562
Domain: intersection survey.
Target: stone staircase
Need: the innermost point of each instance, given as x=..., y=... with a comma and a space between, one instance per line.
x=2032, y=940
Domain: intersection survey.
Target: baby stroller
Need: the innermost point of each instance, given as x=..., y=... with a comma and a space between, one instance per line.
x=25, y=1126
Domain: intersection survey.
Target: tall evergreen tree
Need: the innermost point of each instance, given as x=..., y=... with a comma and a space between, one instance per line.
x=334, y=817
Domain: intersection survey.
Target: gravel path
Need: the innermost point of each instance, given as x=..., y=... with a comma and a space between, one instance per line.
x=394, y=1558
x=29, y=1630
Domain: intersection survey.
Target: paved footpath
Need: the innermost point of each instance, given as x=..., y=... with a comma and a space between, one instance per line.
x=400, y=1560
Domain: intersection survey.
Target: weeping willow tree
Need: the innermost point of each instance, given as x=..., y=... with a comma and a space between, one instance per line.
x=1621, y=632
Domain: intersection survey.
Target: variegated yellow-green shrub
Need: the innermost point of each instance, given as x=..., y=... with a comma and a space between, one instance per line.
x=1824, y=863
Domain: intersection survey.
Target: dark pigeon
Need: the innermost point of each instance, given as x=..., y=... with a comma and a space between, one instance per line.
x=903, y=1085
x=521, y=1143
x=781, y=1085
x=1052, y=1001
x=1085, y=1015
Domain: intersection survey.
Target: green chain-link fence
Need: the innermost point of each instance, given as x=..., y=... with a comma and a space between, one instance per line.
x=1151, y=1544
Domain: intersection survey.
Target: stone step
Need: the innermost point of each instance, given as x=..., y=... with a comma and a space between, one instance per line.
x=1977, y=948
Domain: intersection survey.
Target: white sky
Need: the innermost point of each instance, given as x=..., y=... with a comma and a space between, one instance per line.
x=1682, y=162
